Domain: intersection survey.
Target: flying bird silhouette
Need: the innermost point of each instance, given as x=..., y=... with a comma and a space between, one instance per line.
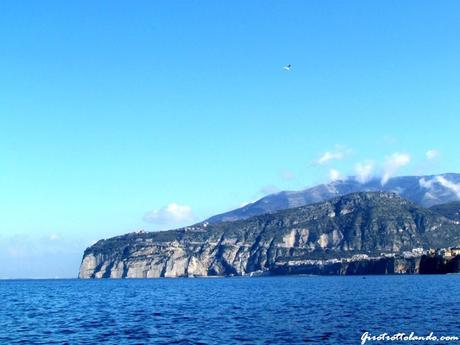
x=287, y=67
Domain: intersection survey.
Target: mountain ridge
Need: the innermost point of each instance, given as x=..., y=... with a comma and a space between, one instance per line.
x=425, y=190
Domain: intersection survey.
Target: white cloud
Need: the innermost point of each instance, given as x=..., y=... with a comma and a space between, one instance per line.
x=171, y=214
x=328, y=156
x=428, y=184
x=364, y=171
x=334, y=175
x=393, y=163
x=454, y=187
x=339, y=153
x=432, y=154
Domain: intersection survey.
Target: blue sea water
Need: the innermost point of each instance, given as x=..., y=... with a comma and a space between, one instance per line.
x=268, y=310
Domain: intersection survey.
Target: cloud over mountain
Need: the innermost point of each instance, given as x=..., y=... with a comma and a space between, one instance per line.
x=364, y=171
x=393, y=163
x=171, y=214
x=440, y=181
x=340, y=152
x=334, y=175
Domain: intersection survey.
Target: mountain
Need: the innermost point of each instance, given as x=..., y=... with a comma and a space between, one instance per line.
x=334, y=236
x=450, y=210
x=423, y=190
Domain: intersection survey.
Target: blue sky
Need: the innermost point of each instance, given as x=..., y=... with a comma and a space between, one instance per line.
x=117, y=116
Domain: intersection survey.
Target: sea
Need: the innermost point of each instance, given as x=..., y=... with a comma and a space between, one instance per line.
x=265, y=310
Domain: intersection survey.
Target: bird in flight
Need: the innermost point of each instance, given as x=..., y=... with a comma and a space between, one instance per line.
x=287, y=67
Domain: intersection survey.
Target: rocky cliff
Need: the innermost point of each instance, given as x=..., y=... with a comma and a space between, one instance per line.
x=359, y=233
x=435, y=264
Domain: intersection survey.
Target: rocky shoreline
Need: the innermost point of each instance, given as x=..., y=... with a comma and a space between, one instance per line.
x=425, y=264
x=361, y=233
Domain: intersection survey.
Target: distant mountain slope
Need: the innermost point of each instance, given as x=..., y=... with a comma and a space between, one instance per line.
x=450, y=210
x=280, y=243
x=423, y=190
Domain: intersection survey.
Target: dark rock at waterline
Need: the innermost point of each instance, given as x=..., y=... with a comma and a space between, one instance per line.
x=430, y=264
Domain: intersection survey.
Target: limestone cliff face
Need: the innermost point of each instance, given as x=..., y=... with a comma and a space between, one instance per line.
x=302, y=240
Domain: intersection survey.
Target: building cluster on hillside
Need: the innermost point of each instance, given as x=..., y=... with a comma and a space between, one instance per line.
x=418, y=252
x=196, y=228
x=445, y=252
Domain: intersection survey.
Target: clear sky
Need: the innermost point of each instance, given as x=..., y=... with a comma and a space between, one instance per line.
x=119, y=116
